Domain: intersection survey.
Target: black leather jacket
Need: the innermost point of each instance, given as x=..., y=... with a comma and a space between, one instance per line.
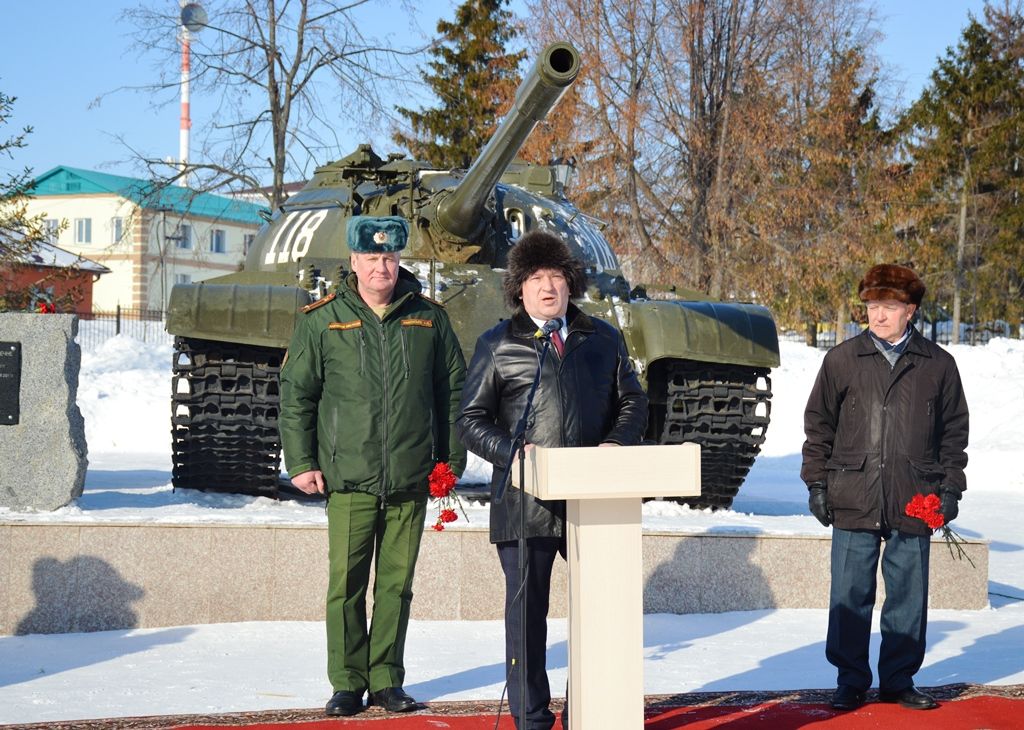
x=876, y=437
x=589, y=396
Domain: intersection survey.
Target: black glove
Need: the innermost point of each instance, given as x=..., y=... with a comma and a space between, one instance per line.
x=818, y=503
x=949, y=508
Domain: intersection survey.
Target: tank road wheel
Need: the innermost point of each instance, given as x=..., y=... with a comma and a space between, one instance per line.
x=224, y=412
x=725, y=409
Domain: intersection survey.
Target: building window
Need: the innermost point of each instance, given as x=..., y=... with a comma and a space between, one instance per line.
x=83, y=230
x=218, y=240
x=51, y=227
x=247, y=240
x=116, y=229
x=184, y=237
x=182, y=278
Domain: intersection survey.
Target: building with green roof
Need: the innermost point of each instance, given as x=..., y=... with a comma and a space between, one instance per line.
x=150, y=236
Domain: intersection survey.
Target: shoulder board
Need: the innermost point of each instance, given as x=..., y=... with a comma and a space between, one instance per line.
x=318, y=303
x=432, y=301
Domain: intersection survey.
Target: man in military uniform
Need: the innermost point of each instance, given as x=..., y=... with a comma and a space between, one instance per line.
x=370, y=392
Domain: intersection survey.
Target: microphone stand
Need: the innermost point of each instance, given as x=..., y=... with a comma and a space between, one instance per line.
x=519, y=444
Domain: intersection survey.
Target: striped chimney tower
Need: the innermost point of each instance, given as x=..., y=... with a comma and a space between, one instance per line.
x=186, y=118
x=193, y=18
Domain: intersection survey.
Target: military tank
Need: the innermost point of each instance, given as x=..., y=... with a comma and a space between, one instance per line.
x=705, y=364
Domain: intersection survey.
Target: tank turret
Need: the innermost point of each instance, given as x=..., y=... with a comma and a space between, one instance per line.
x=705, y=364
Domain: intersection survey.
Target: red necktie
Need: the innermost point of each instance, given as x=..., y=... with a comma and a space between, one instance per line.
x=556, y=339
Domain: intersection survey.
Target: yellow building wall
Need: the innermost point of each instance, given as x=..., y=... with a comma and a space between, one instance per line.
x=148, y=260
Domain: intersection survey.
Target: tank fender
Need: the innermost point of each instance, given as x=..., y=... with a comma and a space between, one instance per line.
x=719, y=332
x=250, y=314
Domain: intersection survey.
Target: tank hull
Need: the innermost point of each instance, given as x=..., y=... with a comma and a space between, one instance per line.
x=705, y=364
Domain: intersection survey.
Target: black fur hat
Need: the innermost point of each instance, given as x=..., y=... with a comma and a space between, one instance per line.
x=541, y=250
x=891, y=281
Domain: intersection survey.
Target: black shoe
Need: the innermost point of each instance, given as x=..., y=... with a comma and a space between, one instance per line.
x=393, y=699
x=344, y=703
x=910, y=697
x=847, y=698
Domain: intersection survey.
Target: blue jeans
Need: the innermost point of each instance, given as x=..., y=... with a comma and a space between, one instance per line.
x=904, y=618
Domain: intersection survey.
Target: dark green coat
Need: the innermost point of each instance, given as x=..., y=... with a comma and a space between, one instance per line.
x=372, y=402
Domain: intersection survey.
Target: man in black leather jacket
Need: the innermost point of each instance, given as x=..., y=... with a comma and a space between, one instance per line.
x=588, y=395
x=885, y=421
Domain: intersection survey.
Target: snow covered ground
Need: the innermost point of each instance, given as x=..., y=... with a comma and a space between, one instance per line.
x=123, y=395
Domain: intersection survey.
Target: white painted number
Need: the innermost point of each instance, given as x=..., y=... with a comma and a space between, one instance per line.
x=305, y=234
x=294, y=236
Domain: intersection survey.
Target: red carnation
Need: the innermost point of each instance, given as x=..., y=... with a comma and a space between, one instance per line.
x=442, y=480
x=927, y=508
x=442, y=488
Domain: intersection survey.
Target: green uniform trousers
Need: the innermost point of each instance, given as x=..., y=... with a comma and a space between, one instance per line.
x=361, y=527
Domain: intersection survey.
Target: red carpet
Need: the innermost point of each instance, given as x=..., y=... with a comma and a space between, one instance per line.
x=963, y=707
x=991, y=713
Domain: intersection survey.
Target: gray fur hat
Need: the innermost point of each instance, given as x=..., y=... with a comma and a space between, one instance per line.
x=367, y=234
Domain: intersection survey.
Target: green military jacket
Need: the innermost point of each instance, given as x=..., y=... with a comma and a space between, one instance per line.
x=372, y=402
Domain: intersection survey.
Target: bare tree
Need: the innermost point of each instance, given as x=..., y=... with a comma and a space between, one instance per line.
x=604, y=123
x=287, y=74
x=707, y=58
x=722, y=139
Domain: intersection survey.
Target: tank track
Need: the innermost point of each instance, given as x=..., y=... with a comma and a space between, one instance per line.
x=224, y=413
x=725, y=409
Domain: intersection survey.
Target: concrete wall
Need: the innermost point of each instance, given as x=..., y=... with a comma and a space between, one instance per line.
x=58, y=578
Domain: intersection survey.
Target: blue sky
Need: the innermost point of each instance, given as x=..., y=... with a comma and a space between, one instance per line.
x=60, y=55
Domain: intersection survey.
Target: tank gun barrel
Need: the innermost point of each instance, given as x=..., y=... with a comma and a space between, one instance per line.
x=556, y=69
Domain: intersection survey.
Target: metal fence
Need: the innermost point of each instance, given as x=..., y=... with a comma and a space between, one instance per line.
x=145, y=325
x=970, y=333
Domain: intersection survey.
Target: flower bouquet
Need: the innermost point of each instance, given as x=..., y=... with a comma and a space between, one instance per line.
x=442, y=488
x=926, y=508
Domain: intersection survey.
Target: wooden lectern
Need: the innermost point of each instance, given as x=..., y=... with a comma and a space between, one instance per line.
x=604, y=489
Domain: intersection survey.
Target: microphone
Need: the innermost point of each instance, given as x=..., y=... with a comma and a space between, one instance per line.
x=552, y=325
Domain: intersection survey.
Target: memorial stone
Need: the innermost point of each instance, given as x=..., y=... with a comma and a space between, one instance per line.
x=42, y=432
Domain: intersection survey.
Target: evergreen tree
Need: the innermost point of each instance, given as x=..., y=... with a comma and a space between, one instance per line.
x=474, y=79
x=19, y=232
x=964, y=138
x=1002, y=280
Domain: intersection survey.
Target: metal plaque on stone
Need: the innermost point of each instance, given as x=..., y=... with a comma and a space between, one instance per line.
x=10, y=382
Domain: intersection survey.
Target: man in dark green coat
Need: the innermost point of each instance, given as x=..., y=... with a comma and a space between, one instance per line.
x=370, y=391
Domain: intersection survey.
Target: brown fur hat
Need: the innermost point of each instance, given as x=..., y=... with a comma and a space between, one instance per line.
x=541, y=250
x=891, y=281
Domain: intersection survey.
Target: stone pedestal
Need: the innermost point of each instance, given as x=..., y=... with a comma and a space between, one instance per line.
x=43, y=449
